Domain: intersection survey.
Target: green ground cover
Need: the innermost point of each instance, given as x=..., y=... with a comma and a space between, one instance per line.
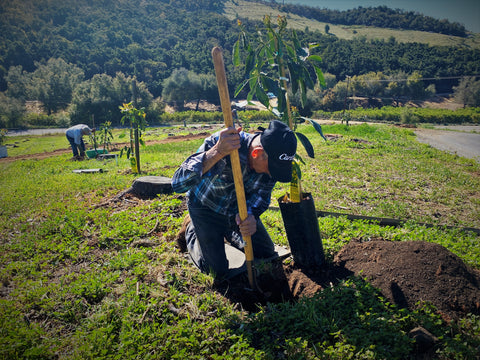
x=83, y=277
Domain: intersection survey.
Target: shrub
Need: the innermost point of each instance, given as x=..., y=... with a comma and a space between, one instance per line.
x=33, y=120
x=62, y=119
x=196, y=117
x=3, y=135
x=408, y=115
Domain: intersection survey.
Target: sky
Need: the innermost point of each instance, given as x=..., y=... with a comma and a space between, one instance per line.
x=466, y=12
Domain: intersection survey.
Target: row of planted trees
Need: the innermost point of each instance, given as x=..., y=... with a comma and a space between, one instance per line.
x=98, y=99
x=57, y=94
x=64, y=97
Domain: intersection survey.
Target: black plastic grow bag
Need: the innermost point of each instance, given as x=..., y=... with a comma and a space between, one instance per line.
x=301, y=225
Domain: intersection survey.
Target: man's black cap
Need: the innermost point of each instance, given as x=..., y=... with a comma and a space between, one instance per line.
x=280, y=144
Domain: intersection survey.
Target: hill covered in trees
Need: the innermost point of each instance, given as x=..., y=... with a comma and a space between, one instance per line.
x=76, y=48
x=380, y=16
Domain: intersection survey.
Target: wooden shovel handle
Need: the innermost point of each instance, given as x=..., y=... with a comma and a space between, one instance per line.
x=234, y=158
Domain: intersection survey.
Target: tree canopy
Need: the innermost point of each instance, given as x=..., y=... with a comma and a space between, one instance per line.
x=67, y=53
x=380, y=16
x=149, y=39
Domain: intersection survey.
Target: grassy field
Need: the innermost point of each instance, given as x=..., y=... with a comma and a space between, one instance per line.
x=256, y=11
x=86, y=277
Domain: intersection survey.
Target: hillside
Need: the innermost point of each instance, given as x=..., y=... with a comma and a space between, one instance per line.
x=151, y=38
x=86, y=46
x=255, y=11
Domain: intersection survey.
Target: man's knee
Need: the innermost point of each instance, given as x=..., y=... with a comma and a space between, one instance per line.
x=208, y=257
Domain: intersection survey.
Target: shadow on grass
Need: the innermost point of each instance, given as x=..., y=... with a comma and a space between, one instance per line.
x=344, y=315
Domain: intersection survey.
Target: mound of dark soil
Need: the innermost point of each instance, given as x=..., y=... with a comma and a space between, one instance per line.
x=405, y=272
x=413, y=271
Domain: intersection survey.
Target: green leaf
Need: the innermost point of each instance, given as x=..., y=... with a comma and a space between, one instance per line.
x=294, y=76
x=281, y=102
x=290, y=51
x=250, y=94
x=253, y=83
x=298, y=47
x=236, y=53
x=306, y=144
x=249, y=62
x=262, y=97
x=269, y=84
x=320, y=77
x=280, y=46
x=306, y=76
x=299, y=158
x=240, y=87
x=303, y=92
x=314, y=58
x=316, y=126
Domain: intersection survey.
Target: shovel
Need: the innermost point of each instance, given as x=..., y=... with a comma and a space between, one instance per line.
x=235, y=160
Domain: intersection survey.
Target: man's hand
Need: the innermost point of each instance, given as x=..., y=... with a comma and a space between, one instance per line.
x=248, y=227
x=228, y=141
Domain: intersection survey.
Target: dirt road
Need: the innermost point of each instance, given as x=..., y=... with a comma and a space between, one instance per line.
x=45, y=155
x=463, y=140
x=462, y=143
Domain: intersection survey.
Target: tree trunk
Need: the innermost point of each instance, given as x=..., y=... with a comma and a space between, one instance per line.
x=151, y=186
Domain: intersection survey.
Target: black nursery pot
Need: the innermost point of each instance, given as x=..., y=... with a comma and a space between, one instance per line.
x=301, y=225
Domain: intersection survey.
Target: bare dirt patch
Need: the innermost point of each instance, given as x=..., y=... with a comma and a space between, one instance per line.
x=44, y=155
x=406, y=273
x=437, y=102
x=413, y=271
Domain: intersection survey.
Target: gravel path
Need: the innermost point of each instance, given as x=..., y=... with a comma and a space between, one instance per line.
x=462, y=143
x=463, y=140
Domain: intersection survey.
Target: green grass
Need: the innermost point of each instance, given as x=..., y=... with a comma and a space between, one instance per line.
x=77, y=283
x=26, y=145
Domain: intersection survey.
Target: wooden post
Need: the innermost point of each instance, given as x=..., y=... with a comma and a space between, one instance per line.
x=234, y=158
x=136, y=135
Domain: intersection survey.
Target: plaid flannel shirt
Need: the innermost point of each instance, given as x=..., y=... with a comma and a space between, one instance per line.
x=216, y=189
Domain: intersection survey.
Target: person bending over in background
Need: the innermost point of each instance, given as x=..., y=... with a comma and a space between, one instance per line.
x=207, y=177
x=75, y=138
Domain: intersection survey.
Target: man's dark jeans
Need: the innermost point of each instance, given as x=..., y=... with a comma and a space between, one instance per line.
x=74, y=146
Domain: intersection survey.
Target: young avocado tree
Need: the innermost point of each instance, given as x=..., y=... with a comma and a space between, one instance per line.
x=136, y=120
x=274, y=59
x=272, y=62
x=106, y=135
